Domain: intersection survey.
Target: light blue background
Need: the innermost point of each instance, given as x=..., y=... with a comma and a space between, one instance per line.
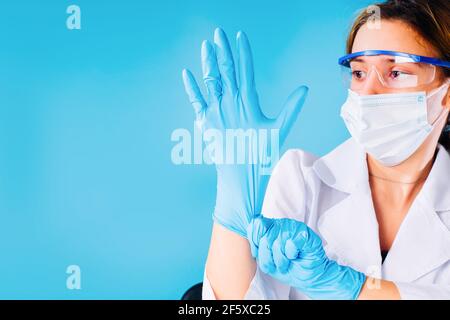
x=86, y=117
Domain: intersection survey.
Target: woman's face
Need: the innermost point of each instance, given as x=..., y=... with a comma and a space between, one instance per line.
x=395, y=35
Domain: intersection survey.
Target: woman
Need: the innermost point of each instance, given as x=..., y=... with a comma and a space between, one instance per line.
x=369, y=220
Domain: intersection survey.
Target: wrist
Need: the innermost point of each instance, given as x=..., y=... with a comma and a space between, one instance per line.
x=377, y=289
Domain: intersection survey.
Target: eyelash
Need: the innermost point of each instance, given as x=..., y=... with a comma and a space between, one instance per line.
x=355, y=72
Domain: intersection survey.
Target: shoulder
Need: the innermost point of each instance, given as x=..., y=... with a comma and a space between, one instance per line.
x=300, y=156
x=295, y=162
x=289, y=188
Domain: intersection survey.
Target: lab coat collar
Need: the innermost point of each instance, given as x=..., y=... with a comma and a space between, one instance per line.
x=437, y=185
x=350, y=228
x=344, y=168
x=350, y=231
x=422, y=243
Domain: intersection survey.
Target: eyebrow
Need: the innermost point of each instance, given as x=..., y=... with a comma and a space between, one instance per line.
x=361, y=59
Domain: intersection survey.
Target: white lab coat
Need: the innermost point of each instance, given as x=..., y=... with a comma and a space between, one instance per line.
x=332, y=196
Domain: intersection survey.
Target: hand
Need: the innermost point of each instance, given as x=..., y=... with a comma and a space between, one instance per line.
x=232, y=104
x=289, y=251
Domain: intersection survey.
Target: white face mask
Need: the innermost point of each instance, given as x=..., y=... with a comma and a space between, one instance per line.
x=391, y=127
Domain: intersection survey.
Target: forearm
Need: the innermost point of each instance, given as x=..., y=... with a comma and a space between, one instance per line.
x=375, y=289
x=230, y=267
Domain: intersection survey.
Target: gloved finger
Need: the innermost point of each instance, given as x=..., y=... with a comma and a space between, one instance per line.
x=225, y=61
x=291, y=250
x=305, y=242
x=314, y=243
x=211, y=75
x=256, y=229
x=246, y=76
x=194, y=93
x=295, y=244
x=265, y=259
x=291, y=110
x=281, y=262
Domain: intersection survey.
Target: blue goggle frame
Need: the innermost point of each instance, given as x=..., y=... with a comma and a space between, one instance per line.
x=345, y=60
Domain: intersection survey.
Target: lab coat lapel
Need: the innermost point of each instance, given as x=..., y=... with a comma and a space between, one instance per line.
x=423, y=240
x=350, y=228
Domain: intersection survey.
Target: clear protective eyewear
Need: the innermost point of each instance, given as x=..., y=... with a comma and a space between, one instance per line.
x=395, y=70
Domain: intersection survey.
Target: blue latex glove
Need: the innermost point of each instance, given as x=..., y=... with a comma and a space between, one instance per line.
x=232, y=103
x=289, y=251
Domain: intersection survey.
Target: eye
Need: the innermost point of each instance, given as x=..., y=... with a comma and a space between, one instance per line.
x=358, y=74
x=398, y=75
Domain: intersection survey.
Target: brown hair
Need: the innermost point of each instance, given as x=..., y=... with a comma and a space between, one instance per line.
x=429, y=18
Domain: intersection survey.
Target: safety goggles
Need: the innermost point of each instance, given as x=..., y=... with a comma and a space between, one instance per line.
x=395, y=70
